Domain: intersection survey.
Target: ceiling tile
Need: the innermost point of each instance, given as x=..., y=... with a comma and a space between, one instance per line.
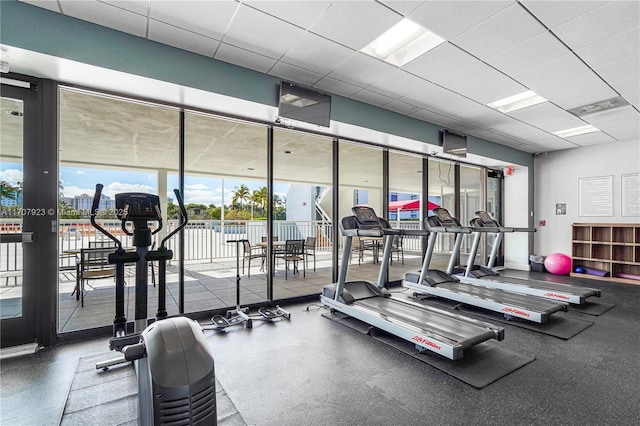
x=269, y=36
x=628, y=114
x=317, y=53
x=300, y=13
x=355, y=23
x=558, y=69
x=613, y=49
x=371, y=98
x=360, y=70
x=402, y=7
x=554, y=13
x=426, y=115
x=621, y=70
x=207, y=18
x=441, y=62
x=141, y=7
x=439, y=99
x=244, y=58
x=528, y=54
x=595, y=138
x=472, y=78
x=331, y=85
x=396, y=83
x=483, y=116
x=182, y=39
x=622, y=129
x=599, y=24
x=491, y=92
x=630, y=90
x=106, y=15
x=547, y=116
x=401, y=107
x=295, y=74
x=500, y=32
x=581, y=89
x=45, y=4
x=449, y=19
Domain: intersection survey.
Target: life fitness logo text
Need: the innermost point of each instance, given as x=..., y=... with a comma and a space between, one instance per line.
x=426, y=342
x=556, y=296
x=515, y=311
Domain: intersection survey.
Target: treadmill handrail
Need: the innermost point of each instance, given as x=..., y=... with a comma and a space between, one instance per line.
x=450, y=229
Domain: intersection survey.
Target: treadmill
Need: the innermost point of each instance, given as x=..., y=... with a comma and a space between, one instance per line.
x=438, y=283
x=483, y=223
x=430, y=329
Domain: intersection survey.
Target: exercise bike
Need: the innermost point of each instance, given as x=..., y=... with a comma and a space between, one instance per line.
x=174, y=366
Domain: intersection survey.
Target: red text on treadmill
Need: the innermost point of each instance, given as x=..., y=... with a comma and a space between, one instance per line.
x=426, y=342
x=556, y=296
x=515, y=311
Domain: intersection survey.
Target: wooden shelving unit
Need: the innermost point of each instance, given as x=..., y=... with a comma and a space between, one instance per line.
x=614, y=248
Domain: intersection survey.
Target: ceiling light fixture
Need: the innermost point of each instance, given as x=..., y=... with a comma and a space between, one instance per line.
x=600, y=106
x=516, y=102
x=576, y=131
x=402, y=43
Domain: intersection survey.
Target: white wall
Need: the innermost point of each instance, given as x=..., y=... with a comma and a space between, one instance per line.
x=516, y=208
x=556, y=181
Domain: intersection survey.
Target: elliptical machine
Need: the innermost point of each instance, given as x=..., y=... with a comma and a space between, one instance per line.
x=175, y=369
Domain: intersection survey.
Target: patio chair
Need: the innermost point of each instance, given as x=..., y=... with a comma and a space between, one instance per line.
x=94, y=265
x=310, y=250
x=397, y=248
x=250, y=253
x=293, y=253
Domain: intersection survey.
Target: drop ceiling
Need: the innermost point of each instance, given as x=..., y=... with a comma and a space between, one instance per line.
x=572, y=53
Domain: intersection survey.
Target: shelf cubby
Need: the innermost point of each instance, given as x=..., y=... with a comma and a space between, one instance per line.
x=613, y=248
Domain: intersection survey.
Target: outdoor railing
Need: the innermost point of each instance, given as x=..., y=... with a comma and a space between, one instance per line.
x=204, y=239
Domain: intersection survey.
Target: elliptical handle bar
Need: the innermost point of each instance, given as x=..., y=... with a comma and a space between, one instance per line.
x=183, y=223
x=94, y=209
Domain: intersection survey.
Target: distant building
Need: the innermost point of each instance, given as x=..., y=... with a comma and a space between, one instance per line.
x=84, y=202
x=11, y=202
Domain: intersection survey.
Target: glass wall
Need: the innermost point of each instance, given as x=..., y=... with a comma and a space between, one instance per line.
x=302, y=175
x=11, y=176
x=442, y=194
x=133, y=146
x=225, y=190
x=126, y=146
x=360, y=177
x=405, y=211
x=471, y=184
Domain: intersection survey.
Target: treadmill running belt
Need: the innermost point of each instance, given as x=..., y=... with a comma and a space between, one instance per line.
x=465, y=334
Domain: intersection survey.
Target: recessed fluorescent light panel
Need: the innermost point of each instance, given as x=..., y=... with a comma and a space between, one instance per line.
x=576, y=131
x=402, y=43
x=516, y=102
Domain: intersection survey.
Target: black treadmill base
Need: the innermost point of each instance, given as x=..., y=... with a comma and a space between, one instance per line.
x=482, y=364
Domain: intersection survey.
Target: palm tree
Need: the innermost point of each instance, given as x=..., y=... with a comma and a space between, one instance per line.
x=7, y=190
x=259, y=198
x=240, y=194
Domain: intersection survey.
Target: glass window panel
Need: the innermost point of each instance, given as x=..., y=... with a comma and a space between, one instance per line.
x=11, y=174
x=441, y=193
x=303, y=180
x=225, y=186
x=405, y=206
x=127, y=146
x=360, y=177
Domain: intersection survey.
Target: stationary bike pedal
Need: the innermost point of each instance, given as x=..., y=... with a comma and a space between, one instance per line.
x=267, y=313
x=219, y=321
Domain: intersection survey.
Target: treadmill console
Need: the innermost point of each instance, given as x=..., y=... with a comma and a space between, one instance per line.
x=483, y=219
x=366, y=217
x=441, y=217
x=133, y=206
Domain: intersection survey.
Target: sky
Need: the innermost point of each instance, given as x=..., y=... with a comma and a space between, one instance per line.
x=199, y=190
